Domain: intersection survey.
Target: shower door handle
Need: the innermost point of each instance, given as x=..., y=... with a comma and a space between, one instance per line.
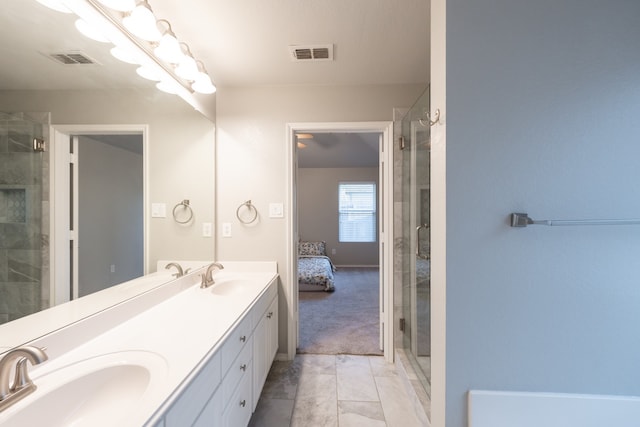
x=418, y=253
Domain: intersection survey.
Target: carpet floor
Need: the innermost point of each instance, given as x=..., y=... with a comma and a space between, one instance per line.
x=345, y=321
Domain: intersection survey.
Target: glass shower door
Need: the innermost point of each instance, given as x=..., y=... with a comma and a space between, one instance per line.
x=416, y=236
x=24, y=284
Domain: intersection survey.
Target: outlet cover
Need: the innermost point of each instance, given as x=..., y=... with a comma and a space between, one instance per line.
x=158, y=210
x=226, y=229
x=276, y=210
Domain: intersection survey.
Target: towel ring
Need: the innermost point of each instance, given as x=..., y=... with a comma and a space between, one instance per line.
x=250, y=207
x=185, y=205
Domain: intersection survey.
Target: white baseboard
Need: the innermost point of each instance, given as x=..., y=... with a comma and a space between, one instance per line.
x=523, y=409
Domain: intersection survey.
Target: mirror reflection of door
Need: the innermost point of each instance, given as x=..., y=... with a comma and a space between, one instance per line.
x=109, y=209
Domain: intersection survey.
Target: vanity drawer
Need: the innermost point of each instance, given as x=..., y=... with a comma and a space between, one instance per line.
x=194, y=398
x=240, y=368
x=238, y=412
x=263, y=303
x=236, y=342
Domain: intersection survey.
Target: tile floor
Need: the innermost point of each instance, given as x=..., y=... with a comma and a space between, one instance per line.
x=335, y=391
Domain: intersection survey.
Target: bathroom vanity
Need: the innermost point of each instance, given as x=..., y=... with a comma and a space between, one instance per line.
x=177, y=355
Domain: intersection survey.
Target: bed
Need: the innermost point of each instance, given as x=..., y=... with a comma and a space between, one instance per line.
x=315, y=269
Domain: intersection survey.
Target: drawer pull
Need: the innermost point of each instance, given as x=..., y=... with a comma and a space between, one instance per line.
x=243, y=367
x=243, y=338
x=270, y=315
x=243, y=403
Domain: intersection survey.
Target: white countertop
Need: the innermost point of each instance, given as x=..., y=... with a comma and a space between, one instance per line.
x=183, y=329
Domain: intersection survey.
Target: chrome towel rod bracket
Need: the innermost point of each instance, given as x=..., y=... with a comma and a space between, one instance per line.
x=523, y=220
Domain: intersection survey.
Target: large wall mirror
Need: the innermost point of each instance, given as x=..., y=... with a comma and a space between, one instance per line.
x=46, y=84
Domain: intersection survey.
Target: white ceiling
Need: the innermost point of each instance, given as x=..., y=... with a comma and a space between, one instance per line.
x=244, y=42
x=241, y=43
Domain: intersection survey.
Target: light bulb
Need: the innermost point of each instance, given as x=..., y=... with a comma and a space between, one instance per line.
x=169, y=49
x=168, y=86
x=202, y=83
x=187, y=68
x=125, y=55
x=142, y=23
x=148, y=73
x=55, y=5
x=121, y=5
x=92, y=32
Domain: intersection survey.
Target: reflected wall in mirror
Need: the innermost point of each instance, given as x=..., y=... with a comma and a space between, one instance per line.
x=109, y=196
x=105, y=95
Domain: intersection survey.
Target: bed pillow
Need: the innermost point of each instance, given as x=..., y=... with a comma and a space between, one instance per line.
x=311, y=248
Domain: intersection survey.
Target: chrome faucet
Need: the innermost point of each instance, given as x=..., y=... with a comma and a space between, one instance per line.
x=207, y=277
x=22, y=384
x=180, y=272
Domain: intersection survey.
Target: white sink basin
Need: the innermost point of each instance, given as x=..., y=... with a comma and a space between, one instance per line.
x=229, y=287
x=100, y=391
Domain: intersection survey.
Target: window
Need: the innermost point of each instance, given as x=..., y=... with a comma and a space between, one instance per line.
x=357, y=212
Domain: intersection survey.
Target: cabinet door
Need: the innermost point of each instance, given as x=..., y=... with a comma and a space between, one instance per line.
x=272, y=316
x=260, y=356
x=212, y=413
x=195, y=397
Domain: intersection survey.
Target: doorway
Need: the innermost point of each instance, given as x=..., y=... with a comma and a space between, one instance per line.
x=99, y=214
x=383, y=130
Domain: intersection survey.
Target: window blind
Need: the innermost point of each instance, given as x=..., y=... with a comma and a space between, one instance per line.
x=357, y=212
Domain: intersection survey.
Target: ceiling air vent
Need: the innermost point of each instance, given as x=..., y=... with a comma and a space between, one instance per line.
x=312, y=53
x=72, y=58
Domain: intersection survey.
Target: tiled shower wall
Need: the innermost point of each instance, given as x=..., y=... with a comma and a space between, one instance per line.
x=24, y=212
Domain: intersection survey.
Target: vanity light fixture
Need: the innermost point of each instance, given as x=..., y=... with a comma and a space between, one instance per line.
x=90, y=31
x=202, y=83
x=142, y=23
x=140, y=39
x=187, y=67
x=119, y=5
x=168, y=48
x=125, y=55
x=168, y=86
x=148, y=73
x=55, y=5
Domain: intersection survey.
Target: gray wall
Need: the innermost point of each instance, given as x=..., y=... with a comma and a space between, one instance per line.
x=542, y=113
x=318, y=212
x=251, y=154
x=110, y=215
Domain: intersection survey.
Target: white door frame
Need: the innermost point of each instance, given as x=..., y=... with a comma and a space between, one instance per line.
x=385, y=233
x=60, y=278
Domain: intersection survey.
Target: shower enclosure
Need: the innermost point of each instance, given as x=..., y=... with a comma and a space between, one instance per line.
x=24, y=212
x=414, y=250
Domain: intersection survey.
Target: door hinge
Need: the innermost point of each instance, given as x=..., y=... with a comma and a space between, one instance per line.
x=402, y=325
x=402, y=143
x=38, y=145
x=73, y=158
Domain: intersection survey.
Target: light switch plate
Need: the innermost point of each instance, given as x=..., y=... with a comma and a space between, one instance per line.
x=158, y=210
x=226, y=229
x=276, y=210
